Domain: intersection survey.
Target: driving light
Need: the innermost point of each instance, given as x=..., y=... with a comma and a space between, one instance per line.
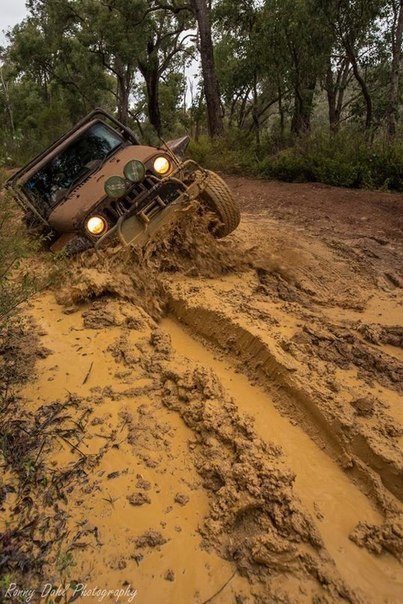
x=115, y=186
x=96, y=225
x=134, y=170
x=162, y=165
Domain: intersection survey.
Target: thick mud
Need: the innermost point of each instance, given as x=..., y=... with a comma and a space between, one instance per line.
x=221, y=420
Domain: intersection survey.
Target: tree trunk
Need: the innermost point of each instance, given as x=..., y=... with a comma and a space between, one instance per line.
x=154, y=114
x=393, y=101
x=255, y=113
x=281, y=112
x=364, y=89
x=343, y=82
x=7, y=102
x=303, y=104
x=242, y=111
x=335, y=93
x=123, y=90
x=151, y=71
x=331, y=99
x=210, y=82
x=123, y=101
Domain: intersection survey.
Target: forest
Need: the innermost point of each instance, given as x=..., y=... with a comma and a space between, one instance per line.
x=288, y=89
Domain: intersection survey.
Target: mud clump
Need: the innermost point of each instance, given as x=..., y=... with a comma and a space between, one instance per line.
x=150, y=539
x=378, y=539
x=143, y=484
x=98, y=318
x=106, y=313
x=181, y=499
x=161, y=342
x=19, y=350
x=111, y=274
x=364, y=406
x=381, y=334
x=255, y=519
x=138, y=499
x=344, y=349
x=272, y=551
x=169, y=575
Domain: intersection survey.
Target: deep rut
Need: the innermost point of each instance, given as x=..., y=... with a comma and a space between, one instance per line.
x=325, y=490
x=276, y=373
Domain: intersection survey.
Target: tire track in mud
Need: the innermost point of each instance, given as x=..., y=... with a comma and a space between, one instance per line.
x=255, y=521
x=324, y=489
x=354, y=455
x=275, y=558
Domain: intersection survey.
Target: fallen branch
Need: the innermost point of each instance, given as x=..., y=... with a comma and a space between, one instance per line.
x=88, y=373
x=220, y=590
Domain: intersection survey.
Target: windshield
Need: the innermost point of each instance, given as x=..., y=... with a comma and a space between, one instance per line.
x=53, y=182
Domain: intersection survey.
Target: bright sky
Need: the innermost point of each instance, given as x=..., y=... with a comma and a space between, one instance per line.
x=11, y=13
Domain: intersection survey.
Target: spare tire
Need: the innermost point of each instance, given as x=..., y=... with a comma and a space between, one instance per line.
x=219, y=199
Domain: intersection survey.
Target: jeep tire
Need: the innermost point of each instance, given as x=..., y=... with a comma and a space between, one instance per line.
x=219, y=199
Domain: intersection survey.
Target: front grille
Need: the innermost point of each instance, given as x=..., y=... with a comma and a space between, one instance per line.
x=139, y=200
x=115, y=208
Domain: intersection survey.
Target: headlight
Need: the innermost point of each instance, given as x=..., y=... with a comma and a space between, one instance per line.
x=96, y=225
x=134, y=170
x=115, y=186
x=162, y=165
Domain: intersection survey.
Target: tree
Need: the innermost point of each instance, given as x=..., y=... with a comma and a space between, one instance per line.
x=251, y=76
x=338, y=76
x=396, y=34
x=356, y=28
x=164, y=51
x=202, y=14
x=6, y=96
x=127, y=39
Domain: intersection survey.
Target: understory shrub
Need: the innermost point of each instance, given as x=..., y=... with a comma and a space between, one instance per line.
x=346, y=159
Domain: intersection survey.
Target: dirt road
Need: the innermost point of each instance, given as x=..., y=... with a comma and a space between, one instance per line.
x=227, y=416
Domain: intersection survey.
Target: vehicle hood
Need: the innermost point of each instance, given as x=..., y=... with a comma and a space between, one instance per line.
x=88, y=194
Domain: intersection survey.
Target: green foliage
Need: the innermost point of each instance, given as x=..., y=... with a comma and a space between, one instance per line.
x=20, y=278
x=345, y=160
x=234, y=153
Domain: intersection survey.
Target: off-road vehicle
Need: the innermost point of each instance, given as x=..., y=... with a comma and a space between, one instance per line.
x=97, y=182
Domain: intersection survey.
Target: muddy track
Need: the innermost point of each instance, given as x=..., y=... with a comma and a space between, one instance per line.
x=354, y=454
x=238, y=403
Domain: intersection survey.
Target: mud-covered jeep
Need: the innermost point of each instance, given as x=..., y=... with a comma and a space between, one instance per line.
x=97, y=182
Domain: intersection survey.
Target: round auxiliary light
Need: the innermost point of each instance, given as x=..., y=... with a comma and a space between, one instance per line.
x=96, y=225
x=115, y=186
x=134, y=170
x=162, y=165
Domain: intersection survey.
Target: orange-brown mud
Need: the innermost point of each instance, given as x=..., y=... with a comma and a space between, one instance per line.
x=221, y=421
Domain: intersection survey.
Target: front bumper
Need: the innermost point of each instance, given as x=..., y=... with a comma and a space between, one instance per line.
x=139, y=224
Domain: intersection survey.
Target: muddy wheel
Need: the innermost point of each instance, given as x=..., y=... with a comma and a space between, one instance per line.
x=219, y=199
